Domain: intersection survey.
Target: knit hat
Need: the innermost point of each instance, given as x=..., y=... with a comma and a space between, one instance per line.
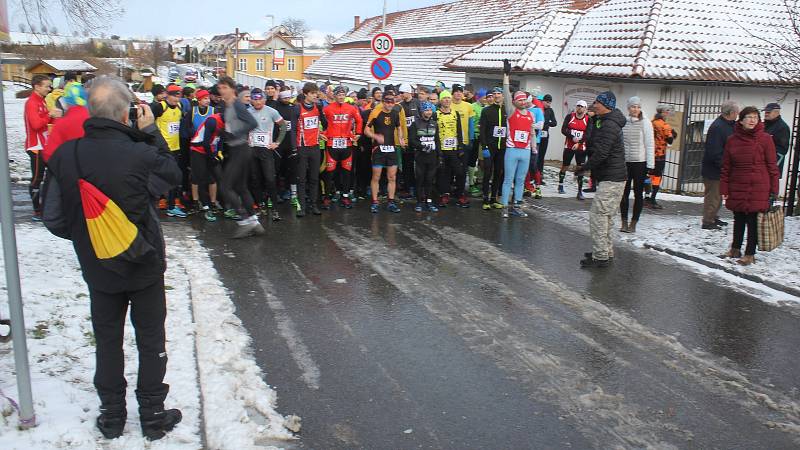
x=481, y=93
x=634, y=101
x=75, y=95
x=547, y=98
x=607, y=99
x=362, y=94
x=425, y=106
x=375, y=89
x=340, y=90
x=271, y=83
x=458, y=88
x=201, y=94
x=445, y=94
x=405, y=88
x=497, y=90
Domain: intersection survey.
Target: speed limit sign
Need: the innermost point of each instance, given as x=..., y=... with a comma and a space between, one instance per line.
x=382, y=44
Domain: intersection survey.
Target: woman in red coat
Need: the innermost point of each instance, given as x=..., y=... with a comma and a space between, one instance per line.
x=748, y=181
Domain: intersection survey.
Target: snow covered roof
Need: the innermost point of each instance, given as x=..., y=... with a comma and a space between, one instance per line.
x=433, y=21
x=72, y=65
x=410, y=65
x=709, y=40
x=198, y=43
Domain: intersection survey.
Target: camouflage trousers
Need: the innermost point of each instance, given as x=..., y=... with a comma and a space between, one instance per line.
x=601, y=218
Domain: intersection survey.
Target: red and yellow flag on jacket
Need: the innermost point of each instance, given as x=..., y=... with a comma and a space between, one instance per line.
x=110, y=231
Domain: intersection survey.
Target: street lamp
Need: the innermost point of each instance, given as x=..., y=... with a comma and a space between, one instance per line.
x=272, y=17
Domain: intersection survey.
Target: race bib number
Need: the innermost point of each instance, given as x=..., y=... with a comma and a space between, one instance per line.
x=311, y=122
x=288, y=126
x=339, y=143
x=499, y=132
x=576, y=134
x=409, y=121
x=173, y=127
x=521, y=136
x=386, y=148
x=428, y=143
x=543, y=134
x=450, y=142
x=260, y=139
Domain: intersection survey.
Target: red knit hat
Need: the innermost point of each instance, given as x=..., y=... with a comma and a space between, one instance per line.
x=201, y=94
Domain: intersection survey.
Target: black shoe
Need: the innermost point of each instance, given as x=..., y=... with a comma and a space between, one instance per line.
x=113, y=413
x=315, y=210
x=301, y=212
x=155, y=420
x=721, y=223
x=589, y=255
x=711, y=226
x=589, y=262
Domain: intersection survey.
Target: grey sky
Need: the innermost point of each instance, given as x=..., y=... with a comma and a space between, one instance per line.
x=149, y=17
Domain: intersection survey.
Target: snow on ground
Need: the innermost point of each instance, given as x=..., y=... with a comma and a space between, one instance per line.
x=15, y=129
x=203, y=335
x=683, y=234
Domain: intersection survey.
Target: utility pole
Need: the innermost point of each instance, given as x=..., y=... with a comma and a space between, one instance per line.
x=272, y=44
x=236, y=53
x=383, y=24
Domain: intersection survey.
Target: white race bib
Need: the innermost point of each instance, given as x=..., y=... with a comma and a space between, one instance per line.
x=543, y=134
x=450, y=143
x=576, y=134
x=311, y=122
x=521, y=136
x=409, y=121
x=387, y=148
x=428, y=143
x=339, y=143
x=173, y=127
x=499, y=132
x=288, y=126
x=258, y=139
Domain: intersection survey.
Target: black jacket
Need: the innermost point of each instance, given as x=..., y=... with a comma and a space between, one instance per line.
x=605, y=143
x=424, y=129
x=780, y=133
x=290, y=114
x=492, y=116
x=718, y=134
x=133, y=168
x=549, y=121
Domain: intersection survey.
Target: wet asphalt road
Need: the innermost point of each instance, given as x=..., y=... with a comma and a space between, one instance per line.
x=460, y=330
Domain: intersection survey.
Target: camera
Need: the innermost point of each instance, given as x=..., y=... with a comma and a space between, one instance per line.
x=133, y=112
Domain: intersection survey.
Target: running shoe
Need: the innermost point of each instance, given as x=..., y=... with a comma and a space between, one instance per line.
x=232, y=214
x=275, y=216
x=432, y=207
x=269, y=203
x=655, y=205
x=175, y=211
x=162, y=204
x=518, y=212
x=217, y=207
x=444, y=200
x=326, y=202
x=463, y=201
x=315, y=210
x=475, y=190
x=580, y=196
x=209, y=216
x=392, y=207
x=347, y=203
x=36, y=217
x=418, y=208
x=179, y=204
x=497, y=205
x=374, y=208
x=537, y=194
x=561, y=189
x=505, y=212
x=486, y=206
x=295, y=203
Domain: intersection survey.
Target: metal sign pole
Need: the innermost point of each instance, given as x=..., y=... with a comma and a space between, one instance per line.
x=27, y=417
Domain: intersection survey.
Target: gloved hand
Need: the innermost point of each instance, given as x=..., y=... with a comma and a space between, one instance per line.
x=486, y=153
x=772, y=199
x=507, y=67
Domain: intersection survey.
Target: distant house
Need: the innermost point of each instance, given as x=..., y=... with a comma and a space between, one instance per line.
x=214, y=52
x=194, y=45
x=58, y=67
x=14, y=67
x=278, y=55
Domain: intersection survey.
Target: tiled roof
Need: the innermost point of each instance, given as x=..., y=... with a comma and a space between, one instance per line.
x=708, y=40
x=410, y=65
x=468, y=18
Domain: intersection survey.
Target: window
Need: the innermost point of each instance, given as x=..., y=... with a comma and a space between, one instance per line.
x=260, y=64
x=275, y=68
x=242, y=65
x=291, y=65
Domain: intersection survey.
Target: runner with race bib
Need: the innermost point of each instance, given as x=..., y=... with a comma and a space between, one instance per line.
x=344, y=129
x=574, y=130
x=520, y=143
x=383, y=123
x=265, y=151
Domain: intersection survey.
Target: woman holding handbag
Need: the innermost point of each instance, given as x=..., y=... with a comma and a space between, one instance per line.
x=748, y=180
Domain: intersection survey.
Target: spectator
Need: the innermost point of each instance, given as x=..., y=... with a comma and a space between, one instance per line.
x=37, y=120
x=132, y=167
x=639, y=157
x=719, y=132
x=748, y=180
x=607, y=163
x=779, y=130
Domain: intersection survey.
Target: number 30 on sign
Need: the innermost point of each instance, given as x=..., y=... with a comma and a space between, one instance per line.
x=382, y=44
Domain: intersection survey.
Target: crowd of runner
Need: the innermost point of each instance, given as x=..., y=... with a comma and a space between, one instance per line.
x=250, y=151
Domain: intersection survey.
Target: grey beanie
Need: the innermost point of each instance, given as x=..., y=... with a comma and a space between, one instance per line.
x=634, y=101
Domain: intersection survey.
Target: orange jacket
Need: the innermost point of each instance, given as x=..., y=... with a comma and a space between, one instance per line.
x=662, y=133
x=344, y=121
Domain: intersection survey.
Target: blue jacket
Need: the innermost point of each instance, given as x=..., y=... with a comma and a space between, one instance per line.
x=717, y=136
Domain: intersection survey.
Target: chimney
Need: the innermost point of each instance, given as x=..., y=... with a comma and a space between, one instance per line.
x=356, y=21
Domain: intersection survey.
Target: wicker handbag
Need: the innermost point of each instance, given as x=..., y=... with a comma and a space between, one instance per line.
x=770, y=229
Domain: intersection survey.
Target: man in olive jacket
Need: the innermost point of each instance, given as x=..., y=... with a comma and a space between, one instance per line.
x=133, y=167
x=607, y=163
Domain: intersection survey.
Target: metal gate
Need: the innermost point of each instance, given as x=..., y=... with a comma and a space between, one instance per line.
x=790, y=194
x=694, y=113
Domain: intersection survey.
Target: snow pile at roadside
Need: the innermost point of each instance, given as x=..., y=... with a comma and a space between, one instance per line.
x=683, y=234
x=237, y=406
x=15, y=129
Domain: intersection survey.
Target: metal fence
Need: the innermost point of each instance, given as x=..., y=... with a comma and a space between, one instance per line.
x=790, y=194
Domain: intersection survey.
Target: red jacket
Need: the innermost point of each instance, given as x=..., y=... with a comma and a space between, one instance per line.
x=37, y=117
x=66, y=129
x=341, y=120
x=749, y=170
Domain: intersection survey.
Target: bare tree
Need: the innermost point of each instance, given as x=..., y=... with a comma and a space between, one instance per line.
x=87, y=16
x=296, y=27
x=779, y=46
x=329, y=40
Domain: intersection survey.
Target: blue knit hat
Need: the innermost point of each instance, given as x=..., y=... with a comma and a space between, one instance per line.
x=75, y=95
x=607, y=99
x=425, y=106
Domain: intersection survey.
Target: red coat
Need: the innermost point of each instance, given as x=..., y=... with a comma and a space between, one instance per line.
x=749, y=170
x=66, y=129
x=37, y=118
